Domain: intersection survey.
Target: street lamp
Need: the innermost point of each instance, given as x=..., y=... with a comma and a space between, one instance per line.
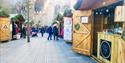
x=28, y=25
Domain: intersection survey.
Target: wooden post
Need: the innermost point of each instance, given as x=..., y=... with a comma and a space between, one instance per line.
x=123, y=30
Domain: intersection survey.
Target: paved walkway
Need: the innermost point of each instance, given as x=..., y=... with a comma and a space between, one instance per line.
x=40, y=50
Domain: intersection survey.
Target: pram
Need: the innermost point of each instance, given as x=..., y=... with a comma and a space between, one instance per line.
x=34, y=34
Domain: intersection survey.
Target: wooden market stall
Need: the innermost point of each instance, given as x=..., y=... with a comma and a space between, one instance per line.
x=110, y=43
x=103, y=20
x=5, y=33
x=83, y=25
x=98, y=26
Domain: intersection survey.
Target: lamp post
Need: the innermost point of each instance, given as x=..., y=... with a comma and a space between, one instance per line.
x=28, y=25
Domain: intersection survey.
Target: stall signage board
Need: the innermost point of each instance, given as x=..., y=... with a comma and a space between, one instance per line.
x=67, y=29
x=84, y=19
x=105, y=49
x=120, y=14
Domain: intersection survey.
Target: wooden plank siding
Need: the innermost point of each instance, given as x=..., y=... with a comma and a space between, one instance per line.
x=5, y=33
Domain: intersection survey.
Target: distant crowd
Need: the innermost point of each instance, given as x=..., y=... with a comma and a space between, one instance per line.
x=51, y=30
x=21, y=32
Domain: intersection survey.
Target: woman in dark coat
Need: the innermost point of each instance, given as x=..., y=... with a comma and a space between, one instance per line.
x=50, y=33
x=55, y=32
x=24, y=31
x=42, y=31
x=13, y=31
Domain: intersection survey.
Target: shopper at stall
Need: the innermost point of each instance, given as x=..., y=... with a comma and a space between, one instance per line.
x=55, y=33
x=17, y=29
x=50, y=33
x=13, y=31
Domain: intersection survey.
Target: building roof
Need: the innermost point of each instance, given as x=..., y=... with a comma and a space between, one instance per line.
x=93, y=4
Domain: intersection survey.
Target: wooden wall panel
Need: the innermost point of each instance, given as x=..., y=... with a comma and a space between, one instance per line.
x=117, y=48
x=121, y=51
x=4, y=29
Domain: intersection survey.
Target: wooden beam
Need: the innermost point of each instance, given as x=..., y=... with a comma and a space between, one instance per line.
x=123, y=30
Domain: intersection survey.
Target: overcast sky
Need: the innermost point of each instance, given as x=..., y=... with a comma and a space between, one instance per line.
x=47, y=7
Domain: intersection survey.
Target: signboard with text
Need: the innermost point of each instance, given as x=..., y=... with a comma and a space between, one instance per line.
x=120, y=14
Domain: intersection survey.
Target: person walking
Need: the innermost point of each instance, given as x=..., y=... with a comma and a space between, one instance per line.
x=55, y=33
x=42, y=31
x=24, y=31
x=50, y=33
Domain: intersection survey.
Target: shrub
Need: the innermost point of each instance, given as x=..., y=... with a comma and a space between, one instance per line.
x=3, y=12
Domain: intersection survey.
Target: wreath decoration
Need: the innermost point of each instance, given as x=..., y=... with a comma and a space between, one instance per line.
x=77, y=26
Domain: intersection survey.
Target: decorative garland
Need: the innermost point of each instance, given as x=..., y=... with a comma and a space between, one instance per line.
x=77, y=26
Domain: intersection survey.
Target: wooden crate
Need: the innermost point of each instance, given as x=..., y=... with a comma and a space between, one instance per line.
x=117, y=48
x=5, y=33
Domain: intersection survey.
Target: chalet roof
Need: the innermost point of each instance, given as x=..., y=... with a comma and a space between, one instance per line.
x=93, y=4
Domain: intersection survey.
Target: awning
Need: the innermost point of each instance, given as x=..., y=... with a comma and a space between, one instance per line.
x=59, y=17
x=67, y=13
x=93, y=4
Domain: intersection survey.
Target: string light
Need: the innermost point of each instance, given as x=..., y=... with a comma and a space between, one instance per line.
x=96, y=12
x=104, y=3
x=107, y=10
x=100, y=12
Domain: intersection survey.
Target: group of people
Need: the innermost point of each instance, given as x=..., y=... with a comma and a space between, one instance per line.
x=34, y=31
x=17, y=31
x=53, y=31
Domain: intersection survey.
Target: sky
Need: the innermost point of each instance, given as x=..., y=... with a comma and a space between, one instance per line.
x=47, y=8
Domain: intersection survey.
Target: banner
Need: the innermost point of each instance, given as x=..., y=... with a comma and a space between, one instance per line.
x=120, y=14
x=67, y=29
